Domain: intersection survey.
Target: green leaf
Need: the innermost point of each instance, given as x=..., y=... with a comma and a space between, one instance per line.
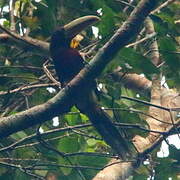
x=107, y=25
x=93, y=161
x=19, y=135
x=91, y=142
x=139, y=63
x=114, y=91
x=84, y=118
x=165, y=169
x=3, y=3
x=140, y=177
x=69, y=144
x=168, y=49
x=41, y=172
x=3, y=170
x=73, y=119
x=39, y=97
x=141, y=173
x=20, y=175
x=31, y=22
x=63, y=161
x=26, y=153
x=174, y=153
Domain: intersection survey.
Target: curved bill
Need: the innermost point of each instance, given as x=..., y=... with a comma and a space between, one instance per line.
x=76, y=26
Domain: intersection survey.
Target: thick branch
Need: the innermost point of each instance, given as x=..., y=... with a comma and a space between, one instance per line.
x=128, y=30
x=154, y=55
x=26, y=43
x=61, y=102
x=133, y=81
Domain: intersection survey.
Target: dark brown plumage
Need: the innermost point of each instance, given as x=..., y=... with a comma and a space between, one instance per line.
x=68, y=61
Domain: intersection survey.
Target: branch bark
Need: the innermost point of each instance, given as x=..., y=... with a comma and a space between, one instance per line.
x=27, y=43
x=132, y=81
x=62, y=101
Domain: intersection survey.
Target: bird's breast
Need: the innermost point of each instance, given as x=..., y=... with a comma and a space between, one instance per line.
x=68, y=63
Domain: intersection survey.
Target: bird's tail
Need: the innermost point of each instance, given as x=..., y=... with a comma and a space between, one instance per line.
x=103, y=124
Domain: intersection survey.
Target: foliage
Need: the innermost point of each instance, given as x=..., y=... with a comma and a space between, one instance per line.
x=20, y=68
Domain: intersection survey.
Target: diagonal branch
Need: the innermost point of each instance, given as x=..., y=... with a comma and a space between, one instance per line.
x=63, y=100
x=26, y=43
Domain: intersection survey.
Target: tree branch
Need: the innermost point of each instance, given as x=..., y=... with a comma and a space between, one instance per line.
x=62, y=101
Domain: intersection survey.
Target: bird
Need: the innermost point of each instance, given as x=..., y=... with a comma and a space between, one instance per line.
x=67, y=60
x=68, y=63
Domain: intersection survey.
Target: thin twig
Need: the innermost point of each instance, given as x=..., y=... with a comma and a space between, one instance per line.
x=62, y=154
x=136, y=111
x=12, y=19
x=33, y=136
x=16, y=76
x=48, y=73
x=165, y=4
x=141, y=40
x=21, y=66
x=126, y=3
x=148, y=103
x=28, y=87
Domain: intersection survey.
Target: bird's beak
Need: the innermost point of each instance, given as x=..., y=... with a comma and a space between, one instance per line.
x=75, y=27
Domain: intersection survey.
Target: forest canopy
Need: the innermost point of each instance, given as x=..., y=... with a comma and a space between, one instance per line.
x=132, y=52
